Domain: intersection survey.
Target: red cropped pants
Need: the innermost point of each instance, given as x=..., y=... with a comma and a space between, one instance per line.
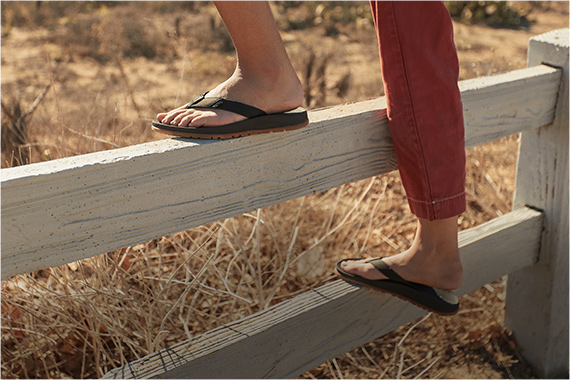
x=420, y=72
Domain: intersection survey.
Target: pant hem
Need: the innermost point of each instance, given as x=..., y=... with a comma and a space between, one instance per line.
x=439, y=209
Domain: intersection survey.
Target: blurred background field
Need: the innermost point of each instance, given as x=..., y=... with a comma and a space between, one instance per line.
x=80, y=77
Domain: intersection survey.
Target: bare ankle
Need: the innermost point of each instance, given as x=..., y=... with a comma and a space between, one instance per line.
x=443, y=271
x=435, y=253
x=276, y=93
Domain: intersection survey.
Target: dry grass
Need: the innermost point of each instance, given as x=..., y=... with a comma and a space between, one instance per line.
x=85, y=318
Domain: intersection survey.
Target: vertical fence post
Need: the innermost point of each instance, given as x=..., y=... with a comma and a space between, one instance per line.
x=537, y=296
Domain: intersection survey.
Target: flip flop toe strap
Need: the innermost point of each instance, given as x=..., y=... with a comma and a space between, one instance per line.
x=224, y=104
x=387, y=271
x=445, y=295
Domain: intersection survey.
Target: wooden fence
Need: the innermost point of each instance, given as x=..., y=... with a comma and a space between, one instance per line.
x=73, y=208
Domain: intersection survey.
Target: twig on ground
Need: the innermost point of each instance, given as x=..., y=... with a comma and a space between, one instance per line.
x=427, y=368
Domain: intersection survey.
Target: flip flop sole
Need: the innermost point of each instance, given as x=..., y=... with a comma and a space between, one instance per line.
x=419, y=295
x=281, y=122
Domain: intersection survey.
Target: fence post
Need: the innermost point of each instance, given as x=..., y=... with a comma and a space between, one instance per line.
x=537, y=296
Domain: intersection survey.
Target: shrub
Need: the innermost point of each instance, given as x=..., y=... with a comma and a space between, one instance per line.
x=492, y=13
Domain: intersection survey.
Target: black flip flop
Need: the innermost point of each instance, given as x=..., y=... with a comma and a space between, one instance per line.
x=257, y=121
x=439, y=301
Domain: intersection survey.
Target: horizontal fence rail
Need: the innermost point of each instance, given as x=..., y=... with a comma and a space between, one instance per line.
x=291, y=337
x=73, y=208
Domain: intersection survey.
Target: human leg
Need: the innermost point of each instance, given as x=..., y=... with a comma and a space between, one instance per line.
x=263, y=77
x=420, y=72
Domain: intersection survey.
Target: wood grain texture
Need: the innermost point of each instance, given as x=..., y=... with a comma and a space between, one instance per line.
x=61, y=211
x=292, y=337
x=503, y=104
x=73, y=208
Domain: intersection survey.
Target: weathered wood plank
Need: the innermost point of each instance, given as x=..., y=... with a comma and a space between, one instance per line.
x=537, y=296
x=292, y=337
x=69, y=209
x=503, y=104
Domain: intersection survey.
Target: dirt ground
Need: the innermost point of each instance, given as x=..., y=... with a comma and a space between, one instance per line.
x=94, y=104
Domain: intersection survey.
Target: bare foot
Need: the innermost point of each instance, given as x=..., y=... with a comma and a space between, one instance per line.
x=273, y=93
x=432, y=260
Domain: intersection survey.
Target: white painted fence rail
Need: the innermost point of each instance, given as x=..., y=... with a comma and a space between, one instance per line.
x=295, y=336
x=69, y=209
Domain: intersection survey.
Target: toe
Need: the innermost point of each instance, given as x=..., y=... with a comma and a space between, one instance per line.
x=200, y=121
x=186, y=121
x=173, y=117
x=352, y=266
x=168, y=118
x=362, y=268
x=176, y=120
x=177, y=116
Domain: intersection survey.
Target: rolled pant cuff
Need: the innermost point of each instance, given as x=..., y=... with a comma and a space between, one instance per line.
x=440, y=209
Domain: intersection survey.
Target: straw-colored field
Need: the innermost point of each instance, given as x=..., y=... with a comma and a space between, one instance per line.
x=101, y=71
